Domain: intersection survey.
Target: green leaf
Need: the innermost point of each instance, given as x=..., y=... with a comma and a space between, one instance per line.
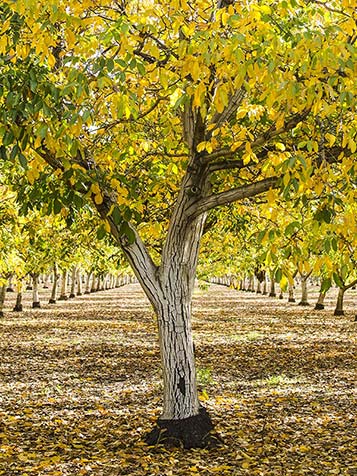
x=326, y=284
x=57, y=206
x=110, y=64
x=338, y=280
x=334, y=244
x=101, y=232
x=278, y=275
x=116, y=215
x=291, y=228
x=128, y=232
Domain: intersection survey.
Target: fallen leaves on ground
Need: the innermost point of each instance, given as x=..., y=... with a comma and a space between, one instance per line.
x=80, y=386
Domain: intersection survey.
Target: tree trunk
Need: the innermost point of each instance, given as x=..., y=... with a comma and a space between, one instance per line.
x=259, y=287
x=35, y=299
x=46, y=281
x=73, y=283
x=251, y=284
x=88, y=283
x=291, y=292
x=79, y=283
x=2, y=299
x=272, y=286
x=10, y=287
x=304, y=301
x=63, y=295
x=265, y=287
x=339, y=304
x=183, y=419
x=18, y=306
x=29, y=284
x=54, y=285
x=169, y=288
x=320, y=302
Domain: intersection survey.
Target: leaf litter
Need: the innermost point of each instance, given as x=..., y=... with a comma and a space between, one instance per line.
x=81, y=384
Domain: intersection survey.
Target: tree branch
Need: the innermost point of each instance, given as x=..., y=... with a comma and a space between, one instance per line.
x=229, y=196
x=259, y=141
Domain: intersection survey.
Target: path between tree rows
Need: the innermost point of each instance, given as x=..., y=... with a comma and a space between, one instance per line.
x=80, y=385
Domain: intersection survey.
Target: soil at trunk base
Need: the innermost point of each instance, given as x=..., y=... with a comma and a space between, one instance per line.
x=192, y=432
x=339, y=312
x=319, y=307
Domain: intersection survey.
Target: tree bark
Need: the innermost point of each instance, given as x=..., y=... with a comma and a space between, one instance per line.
x=35, y=299
x=10, y=287
x=304, y=301
x=18, y=305
x=291, y=293
x=63, y=294
x=272, y=286
x=264, y=286
x=79, y=283
x=339, y=304
x=251, y=284
x=88, y=283
x=54, y=285
x=46, y=281
x=2, y=299
x=73, y=282
x=320, y=301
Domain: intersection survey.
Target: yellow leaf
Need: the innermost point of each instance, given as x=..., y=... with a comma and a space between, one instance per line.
x=204, y=396
x=352, y=146
x=71, y=38
x=280, y=146
x=219, y=469
x=331, y=139
x=98, y=198
x=51, y=60
x=271, y=196
x=95, y=188
x=107, y=226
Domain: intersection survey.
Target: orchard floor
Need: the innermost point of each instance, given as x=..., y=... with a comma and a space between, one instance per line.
x=80, y=385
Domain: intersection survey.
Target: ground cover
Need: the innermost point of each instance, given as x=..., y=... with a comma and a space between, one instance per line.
x=80, y=385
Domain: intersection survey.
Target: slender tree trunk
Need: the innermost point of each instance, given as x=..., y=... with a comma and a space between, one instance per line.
x=35, y=298
x=304, y=279
x=79, y=283
x=251, y=284
x=339, y=304
x=272, y=286
x=291, y=292
x=320, y=302
x=46, y=281
x=259, y=287
x=93, y=285
x=10, y=287
x=18, y=306
x=29, y=284
x=2, y=299
x=54, y=285
x=73, y=283
x=88, y=283
x=265, y=287
x=63, y=295
x=97, y=283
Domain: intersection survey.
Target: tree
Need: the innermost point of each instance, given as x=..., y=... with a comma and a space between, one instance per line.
x=160, y=112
